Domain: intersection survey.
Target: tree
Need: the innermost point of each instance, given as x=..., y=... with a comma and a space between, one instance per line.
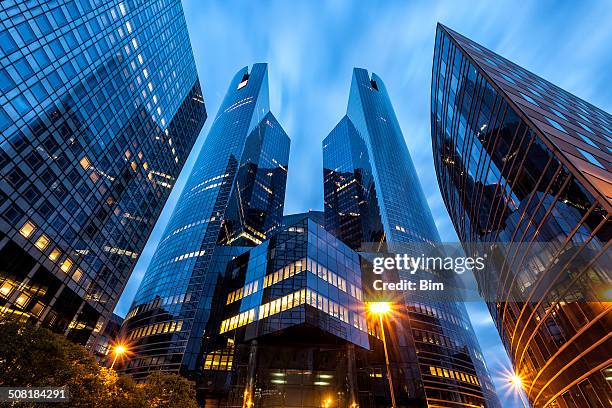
x=165, y=390
x=31, y=356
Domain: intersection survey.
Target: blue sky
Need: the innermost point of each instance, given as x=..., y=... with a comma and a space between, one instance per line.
x=312, y=46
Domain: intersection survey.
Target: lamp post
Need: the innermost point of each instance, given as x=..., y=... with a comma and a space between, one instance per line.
x=118, y=350
x=381, y=309
x=517, y=383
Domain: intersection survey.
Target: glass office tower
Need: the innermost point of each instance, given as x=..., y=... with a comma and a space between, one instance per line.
x=233, y=200
x=286, y=321
x=520, y=160
x=373, y=195
x=100, y=105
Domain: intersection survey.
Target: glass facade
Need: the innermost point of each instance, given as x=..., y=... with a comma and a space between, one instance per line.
x=520, y=160
x=287, y=320
x=100, y=105
x=233, y=200
x=436, y=360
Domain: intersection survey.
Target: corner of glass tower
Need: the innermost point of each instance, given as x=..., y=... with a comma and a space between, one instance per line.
x=232, y=200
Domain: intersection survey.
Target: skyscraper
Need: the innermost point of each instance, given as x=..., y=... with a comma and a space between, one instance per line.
x=233, y=200
x=372, y=194
x=99, y=109
x=520, y=160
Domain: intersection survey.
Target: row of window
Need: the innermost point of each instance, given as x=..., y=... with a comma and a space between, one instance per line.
x=221, y=360
x=159, y=302
x=22, y=301
x=435, y=312
x=43, y=242
x=158, y=328
x=303, y=296
x=304, y=264
x=455, y=375
x=246, y=290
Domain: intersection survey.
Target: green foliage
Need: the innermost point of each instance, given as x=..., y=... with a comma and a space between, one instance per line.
x=166, y=390
x=35, y=357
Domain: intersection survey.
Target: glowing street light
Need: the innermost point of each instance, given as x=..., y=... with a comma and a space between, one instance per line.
x=382, y=309
x=118, y=350
x=516, y=382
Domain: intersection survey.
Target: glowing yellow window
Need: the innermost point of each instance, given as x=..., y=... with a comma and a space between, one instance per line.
x=27, y=229
x=432, y=370
x=54, y=254
x=66, y=265
x=77, y=275
x=42, y=242
x=85, y=163
x=6, y=289
x=22, y=300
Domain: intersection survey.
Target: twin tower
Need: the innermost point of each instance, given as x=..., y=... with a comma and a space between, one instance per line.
x=263, y=309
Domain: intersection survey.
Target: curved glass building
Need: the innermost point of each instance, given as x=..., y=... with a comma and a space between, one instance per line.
x=100, y=105
x=521, y=161
x=232, y=201
x=373, y=196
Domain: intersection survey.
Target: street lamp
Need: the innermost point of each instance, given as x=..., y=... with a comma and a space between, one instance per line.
x=382, y=309
x=516, y=382
x=118, y=350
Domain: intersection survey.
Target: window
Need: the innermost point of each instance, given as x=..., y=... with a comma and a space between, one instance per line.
x=42, y=242
x=66, y=265
x=43, y=24
x=26, y=33
x=588, y=140
x=54, y=254
x=27, y=229
x=7, y=44
x=591, y=159
x=6, y=82
x=244, y=81
x=529, y=99
x=24, y=69
x=556, y=125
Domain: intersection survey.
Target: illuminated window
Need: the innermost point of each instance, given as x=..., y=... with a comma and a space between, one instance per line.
x=42, y=242
x=66, y=265
x=54, y=254
x=27, y=229
x=77, y=275
x=22, y=300
x=6, y=289
x=85, y=163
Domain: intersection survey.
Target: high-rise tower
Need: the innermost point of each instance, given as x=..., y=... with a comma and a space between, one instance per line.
x=521, y=161
x=373, y=195
x=232, y=201
x=100, y=105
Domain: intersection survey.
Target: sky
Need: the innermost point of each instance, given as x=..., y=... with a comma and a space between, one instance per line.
x=312, y=46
